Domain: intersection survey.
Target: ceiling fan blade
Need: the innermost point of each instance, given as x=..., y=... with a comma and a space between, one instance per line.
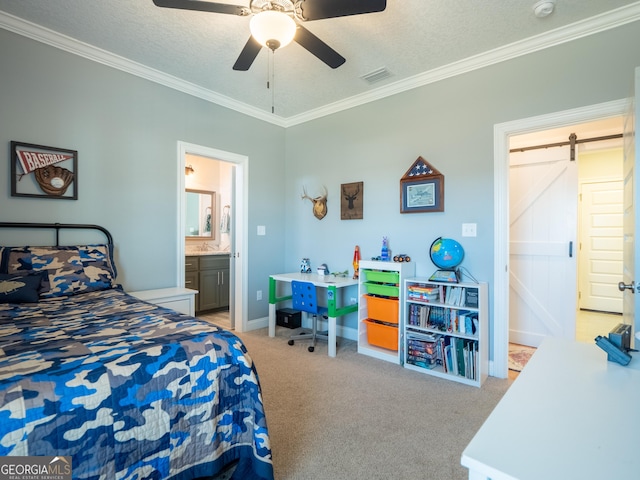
x=316, y=46
x=319, y=9
x=247, y=55
x=202, y=6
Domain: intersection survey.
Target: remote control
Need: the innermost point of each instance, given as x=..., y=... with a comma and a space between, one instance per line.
x=614, y=353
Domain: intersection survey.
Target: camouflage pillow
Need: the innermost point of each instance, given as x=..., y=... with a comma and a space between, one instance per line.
x=20, y=288
x=70, y=269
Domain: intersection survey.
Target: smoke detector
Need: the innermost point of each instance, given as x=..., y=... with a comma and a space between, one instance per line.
x=544, y=8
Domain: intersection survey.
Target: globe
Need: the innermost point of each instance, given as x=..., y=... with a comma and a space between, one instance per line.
x=446, y=253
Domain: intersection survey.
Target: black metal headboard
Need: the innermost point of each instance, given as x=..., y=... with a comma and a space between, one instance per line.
x=58, y=227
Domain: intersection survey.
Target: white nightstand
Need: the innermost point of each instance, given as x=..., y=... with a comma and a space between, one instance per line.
x=176, y=298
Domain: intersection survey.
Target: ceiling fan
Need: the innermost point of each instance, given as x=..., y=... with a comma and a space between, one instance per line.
x=275, y=23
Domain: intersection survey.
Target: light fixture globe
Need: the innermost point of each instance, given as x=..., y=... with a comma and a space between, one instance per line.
x=272, y=29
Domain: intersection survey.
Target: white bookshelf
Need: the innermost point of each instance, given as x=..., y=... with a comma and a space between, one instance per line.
x=446, y=329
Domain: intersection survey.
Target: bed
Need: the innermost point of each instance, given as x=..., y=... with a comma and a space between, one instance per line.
x=123, y=388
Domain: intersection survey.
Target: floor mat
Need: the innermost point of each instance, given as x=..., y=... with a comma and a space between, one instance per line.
x=519, y=355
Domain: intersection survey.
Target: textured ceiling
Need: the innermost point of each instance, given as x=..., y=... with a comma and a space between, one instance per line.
x=410, y=38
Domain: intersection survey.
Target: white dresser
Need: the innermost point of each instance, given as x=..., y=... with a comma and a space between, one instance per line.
x=570, y=414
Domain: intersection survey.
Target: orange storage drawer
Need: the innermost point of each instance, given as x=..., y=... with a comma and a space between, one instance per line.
x=383, y=309
x=382, y=335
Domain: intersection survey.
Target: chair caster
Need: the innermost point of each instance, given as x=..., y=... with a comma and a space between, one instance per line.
x=291, y=342
x=311, y=349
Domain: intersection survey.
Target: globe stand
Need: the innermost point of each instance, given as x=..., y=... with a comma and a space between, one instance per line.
x=448, y=276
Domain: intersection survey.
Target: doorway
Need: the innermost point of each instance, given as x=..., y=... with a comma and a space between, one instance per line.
x=565, y=233
x=209, y=246
x=502, y=135
x=238, y=221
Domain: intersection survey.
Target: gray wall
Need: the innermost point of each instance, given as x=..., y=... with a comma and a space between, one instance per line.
x=126, y=131
x=449, y=123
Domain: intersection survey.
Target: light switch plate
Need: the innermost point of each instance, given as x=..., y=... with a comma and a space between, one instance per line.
x=262, y=230
x=469, y=229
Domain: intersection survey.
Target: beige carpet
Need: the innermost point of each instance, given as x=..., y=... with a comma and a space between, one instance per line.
x=356, y=417
x=519, y=355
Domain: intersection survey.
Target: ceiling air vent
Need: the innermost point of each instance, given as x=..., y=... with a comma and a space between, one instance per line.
x=376, y=76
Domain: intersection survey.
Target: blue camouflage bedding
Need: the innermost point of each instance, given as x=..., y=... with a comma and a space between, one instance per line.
x=129, y=390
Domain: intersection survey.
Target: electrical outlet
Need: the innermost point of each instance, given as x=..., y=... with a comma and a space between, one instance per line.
x=259, y=295
x=353, y=301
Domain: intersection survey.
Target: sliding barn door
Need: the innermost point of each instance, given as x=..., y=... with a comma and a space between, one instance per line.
x=543, y=200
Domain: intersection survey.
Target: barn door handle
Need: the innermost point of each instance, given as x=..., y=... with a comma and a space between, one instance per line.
x=570, y=249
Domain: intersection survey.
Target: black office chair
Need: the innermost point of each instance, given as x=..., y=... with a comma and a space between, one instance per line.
x=304, y=298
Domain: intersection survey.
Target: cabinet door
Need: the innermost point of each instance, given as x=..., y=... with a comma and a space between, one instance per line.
x=209, y=291
x=224, y=288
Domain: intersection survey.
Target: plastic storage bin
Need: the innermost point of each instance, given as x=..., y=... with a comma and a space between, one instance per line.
x=383, y=309
x=385, y=290
x=382, y=277
x=382, y=335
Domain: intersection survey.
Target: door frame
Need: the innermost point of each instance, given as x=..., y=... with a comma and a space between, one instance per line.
x=238, y=267
x=498, y=367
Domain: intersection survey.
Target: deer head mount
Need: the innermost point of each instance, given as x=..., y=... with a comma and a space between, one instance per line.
x=351, y=196
x=319, y=203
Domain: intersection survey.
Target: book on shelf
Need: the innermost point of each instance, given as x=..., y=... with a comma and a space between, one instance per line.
x=459, y=356
x=471, y=298
x=423, y=293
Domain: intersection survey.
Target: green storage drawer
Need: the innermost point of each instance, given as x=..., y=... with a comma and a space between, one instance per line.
x=382, y=277
x=379, y=289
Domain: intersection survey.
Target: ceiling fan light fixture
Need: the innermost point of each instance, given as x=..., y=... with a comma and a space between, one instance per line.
x=272, y=29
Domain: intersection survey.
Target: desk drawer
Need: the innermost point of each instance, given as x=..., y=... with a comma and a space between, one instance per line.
x=191, y=264
x=209, y=262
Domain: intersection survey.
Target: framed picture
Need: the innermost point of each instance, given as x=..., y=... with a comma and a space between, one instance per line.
x=422, y=189
x=351, y=195
x=45, y=172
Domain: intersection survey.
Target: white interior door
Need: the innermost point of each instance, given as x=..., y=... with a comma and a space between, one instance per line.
x=543, y=186
x=631, y=298
x=600, y=255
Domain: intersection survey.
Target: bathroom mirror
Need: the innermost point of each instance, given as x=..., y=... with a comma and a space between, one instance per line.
x=199, y=214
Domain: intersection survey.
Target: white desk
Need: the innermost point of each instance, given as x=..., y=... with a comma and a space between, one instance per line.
x=570, y=414
x=328, y=282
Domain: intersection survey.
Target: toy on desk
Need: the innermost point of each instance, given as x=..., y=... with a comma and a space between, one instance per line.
x=344, y=274
x=356, y=263
x=323, y=270
x=305, y=266
x=384, y=253
x=401, y=258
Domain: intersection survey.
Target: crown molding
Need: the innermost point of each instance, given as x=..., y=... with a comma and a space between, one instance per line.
x=574, y=31
x=49, y=37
